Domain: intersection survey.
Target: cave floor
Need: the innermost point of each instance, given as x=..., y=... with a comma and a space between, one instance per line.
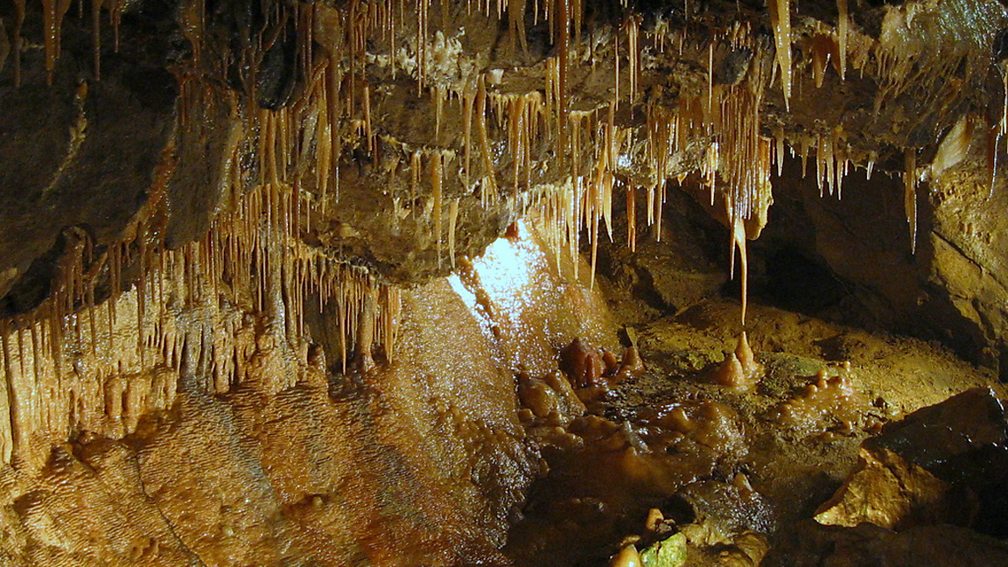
x=733, y=468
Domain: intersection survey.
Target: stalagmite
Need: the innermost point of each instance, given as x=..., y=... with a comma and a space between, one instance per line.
x=740, y=370
x=745, y=355
x=730, y=373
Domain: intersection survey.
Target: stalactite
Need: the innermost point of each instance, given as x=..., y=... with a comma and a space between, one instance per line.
x=390, y=308
x=993, y=140
x=488, y=183
x=452, y=219
x=616, y=77
x=739, y=241
x=995, y=133
x=842, y=30
x=421, y=42
x=19, y=15
x=910, y=195
x=115, y=15
x=710, y=77
x=369, y=131
x=33, y=333
x=516, y=25
x=96, y=6
x=822, y=46
x=323, y=170
x=631, y=218
x=438, y=95
x=780, y=21
x=52, y=16
x=10, y=397
x=192, y=20
x=416, y=170
x=516, y=138
x=779, y=138
x=468, y=99
x=633, y=52
x=437, y=176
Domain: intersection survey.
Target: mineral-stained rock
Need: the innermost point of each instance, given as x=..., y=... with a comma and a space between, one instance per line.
x=962, y=439
x=716, y=512
x=891, y=493
x=964, y=442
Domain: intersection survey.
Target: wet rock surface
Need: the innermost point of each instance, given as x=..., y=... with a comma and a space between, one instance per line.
x=959, y=440
x=889, y=492
x=962, y=441
x=263, y=138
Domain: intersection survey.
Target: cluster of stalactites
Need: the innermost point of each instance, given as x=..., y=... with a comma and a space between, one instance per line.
x=291, y=143
x=53, y=14
x=737, y=161
x=80, y=361
x=335, y=103
x=583, y=199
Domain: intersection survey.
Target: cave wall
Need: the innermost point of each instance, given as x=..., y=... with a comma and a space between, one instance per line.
x=321, y=469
